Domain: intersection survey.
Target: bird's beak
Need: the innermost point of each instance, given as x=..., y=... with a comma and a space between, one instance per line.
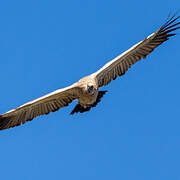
x=90, y=88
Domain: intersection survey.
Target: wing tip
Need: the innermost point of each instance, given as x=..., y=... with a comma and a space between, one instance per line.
x=6, y=122
x=3, y=122
x=170, y=24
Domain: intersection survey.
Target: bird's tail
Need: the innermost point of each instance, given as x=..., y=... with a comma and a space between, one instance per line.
x=81, y=109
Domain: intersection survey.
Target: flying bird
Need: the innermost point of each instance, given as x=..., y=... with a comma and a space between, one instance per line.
x=86, y=90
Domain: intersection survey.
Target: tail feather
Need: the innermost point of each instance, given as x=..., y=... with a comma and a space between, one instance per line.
x=81, y=109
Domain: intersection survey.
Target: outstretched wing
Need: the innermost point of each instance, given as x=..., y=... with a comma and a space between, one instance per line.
x=43, y=105
x=119, y=65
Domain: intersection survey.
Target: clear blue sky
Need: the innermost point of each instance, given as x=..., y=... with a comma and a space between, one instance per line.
x=134, y=133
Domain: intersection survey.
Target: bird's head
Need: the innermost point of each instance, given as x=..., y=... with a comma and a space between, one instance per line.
x=88, y=85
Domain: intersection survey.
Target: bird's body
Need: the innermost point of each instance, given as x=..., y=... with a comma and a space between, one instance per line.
x=86, y=90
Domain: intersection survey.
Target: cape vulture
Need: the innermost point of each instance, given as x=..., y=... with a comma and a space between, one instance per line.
x=86, y=90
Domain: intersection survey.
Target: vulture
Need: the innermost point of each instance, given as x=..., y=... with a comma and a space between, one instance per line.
x=86, y=90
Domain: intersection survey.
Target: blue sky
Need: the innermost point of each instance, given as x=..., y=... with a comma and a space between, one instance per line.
x=134, y=133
